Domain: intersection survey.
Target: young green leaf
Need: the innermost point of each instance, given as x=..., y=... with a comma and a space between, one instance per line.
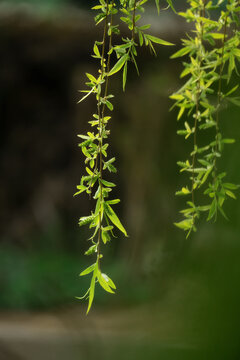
x=230, y=186
x=109, y=281
x=157, y=6
x=91, y=292
x=185, y=224
x=171, y=5
x=158, y=40
x=213, y=209
x=117, y=67
x=104, y=283
x=124, y=76
x=107, y=183
x=181, y=52
x=105, y=237
x=88, y=270
x=91, y=250
x=114, y=218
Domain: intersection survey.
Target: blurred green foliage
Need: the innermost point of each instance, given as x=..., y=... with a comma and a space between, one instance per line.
x=51, y=3
x=45, y=279
x=36, y=280
x=43, y=271
x=194, y=283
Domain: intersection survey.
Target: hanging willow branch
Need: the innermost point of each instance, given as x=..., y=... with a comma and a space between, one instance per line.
x=103, y=220
x=209, y=66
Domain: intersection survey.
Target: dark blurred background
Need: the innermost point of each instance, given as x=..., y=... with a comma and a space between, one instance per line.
x=176, y=298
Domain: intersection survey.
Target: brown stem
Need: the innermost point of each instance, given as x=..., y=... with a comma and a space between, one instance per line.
x=219, y=91
x=202, y=13
x=108, y=65
x=134, y=20
x=100, y=119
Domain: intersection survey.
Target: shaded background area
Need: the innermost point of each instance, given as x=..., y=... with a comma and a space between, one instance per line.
x=176, y=298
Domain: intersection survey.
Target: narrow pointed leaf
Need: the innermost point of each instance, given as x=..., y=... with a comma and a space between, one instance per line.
x=158, y=40
x=88, y=270
x=117, y=67
x=171, y=5
x=91, y=293
x=114, y=218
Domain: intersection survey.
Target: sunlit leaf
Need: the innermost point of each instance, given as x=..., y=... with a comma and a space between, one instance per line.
x=117, y=67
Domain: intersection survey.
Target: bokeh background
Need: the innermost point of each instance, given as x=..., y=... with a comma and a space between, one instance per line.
x=177, y=299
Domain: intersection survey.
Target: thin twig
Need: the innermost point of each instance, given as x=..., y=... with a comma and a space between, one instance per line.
x=220, y=91
x=202, y=13
x=100, y=120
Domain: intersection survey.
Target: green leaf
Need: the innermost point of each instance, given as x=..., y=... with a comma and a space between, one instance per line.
x=184, y=191
x=171, y=5
x=104, y=282
x=217, y=35
x=213, y=209
x=206, y=175
x=86, y=219
x=222, y=212
x=204, y=208
x=112, y=168
x=91, y=292
x=96, y=51
x=158, y=40
x=91, y=78
x=131, y=4
x=140, y=38
x=187, y=211
x=105, y=237
x=107, y=228
x=158, y=6
x=97, y=7
x=124, y=75
x=91, y=250
x=234, y=100
x=228, y=141
x=176, y=97
x=89, y=171
x=231, y=194
x=113, y=202
x=114, y=219
x=88, y=270
x=181, y=52
x=107, y=183
x=231, y=91
x=82, y=189
x=109, y=281
x=92, y=162
x=231, y=66
x=117, y=67
x=181, y=111
x=182, y=132
x=144, y=27
x=185, y=224
x=230, y=186
x=109, y=105
x=104, y=285
x=135, y=63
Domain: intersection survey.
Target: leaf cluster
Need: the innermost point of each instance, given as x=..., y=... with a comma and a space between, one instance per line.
x=213, y=56
x=103, y=220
